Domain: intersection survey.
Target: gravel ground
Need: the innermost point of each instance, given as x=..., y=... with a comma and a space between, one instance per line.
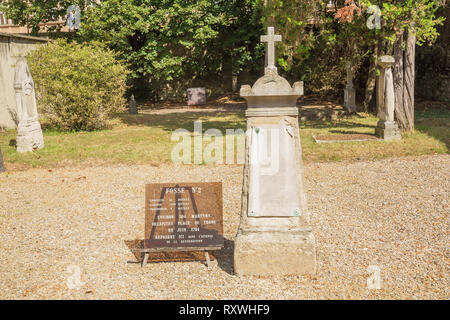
x=393, y=214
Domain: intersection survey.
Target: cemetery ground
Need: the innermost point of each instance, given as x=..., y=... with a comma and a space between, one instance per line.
x=145, y=138
x=79, y=203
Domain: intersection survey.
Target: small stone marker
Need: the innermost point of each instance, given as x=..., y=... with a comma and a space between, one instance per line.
x=349, y=92
x=196, y=96
x=2, y=165
x=183, y=217
x=132, y=106
x=274, y=237
x=29, y=132
x=386, y=128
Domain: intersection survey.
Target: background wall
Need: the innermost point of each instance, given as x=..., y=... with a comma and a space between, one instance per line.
x=12, y=47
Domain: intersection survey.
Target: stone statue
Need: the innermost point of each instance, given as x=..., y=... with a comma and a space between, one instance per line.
x=29, y=132
x=386, y=128
x=132, y=106
x=349, y=91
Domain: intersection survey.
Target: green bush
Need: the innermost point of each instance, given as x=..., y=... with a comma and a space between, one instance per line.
x=78, y=86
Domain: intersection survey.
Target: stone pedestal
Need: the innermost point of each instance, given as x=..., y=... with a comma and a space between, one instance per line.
x=274, y=237
x=29, y=136
x=388, y=130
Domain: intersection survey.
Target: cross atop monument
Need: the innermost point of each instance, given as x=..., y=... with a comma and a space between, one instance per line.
x=270, y=38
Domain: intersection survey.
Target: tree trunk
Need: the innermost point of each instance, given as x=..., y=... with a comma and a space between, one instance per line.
x=408, y=82
x=400, y=114
x=371, y=80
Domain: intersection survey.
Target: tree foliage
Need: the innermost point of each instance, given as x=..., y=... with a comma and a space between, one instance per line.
x=32, y=13
x=165, y=42
x=78, y=86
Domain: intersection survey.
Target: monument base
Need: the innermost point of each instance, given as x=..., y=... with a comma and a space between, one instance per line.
x=277, y=252
x=29, y=136
x=388, y=130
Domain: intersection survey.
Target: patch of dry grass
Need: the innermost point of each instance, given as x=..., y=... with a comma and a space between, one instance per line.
x=145, y=139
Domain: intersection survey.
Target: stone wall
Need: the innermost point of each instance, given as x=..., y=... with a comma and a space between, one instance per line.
x=11, y=47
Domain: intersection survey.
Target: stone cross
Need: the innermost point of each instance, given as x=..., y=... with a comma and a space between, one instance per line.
x=270, y=38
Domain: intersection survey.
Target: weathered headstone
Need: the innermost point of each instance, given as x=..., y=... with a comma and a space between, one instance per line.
x=274, y=236
x=196, y=96
x=349, y=91
x=29, y=132
x=132, y=106
x=2, y=165
x=386, y=127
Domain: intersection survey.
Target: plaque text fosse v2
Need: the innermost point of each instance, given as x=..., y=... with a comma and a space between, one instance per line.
x=183, y=216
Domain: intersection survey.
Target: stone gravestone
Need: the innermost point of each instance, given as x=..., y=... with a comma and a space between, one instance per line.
x=196, y=96
x=349, y=91
x=132, y=106
x=274, y=235
x=29, y=132
x=386, y=127
x=2, y=165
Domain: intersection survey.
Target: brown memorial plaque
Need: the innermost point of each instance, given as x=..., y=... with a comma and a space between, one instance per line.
x=183, y=215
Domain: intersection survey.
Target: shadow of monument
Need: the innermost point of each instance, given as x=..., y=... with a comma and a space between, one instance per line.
x=224, y=256
x=352, y=132
x=185, y=120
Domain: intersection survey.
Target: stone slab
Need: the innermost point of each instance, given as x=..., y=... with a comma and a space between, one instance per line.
x=273, y=187
x=283, y=252
x=196, y=96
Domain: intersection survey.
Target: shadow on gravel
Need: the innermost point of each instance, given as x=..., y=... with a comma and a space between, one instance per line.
x=224, y=257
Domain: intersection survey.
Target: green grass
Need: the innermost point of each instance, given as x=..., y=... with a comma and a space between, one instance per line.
x=145, y=138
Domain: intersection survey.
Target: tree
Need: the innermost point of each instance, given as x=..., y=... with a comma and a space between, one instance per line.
x=404, y=23
x=172, y=43
x=32, y=13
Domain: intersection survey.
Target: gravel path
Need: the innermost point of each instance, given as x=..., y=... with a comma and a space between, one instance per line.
x=392, y=213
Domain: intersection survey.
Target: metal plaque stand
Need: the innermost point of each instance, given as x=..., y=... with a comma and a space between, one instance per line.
x=147, y=252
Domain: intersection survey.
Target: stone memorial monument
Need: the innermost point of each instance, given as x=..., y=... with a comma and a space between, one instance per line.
x=29, y=133
x=274, y=237
x=349, y=91
x=132, y=106
x=2, y=165
x=386, y=127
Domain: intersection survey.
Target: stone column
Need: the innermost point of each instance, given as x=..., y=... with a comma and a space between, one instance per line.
x=349, y=91
x=386, y=127
x=29, y=132
x=274, y=236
